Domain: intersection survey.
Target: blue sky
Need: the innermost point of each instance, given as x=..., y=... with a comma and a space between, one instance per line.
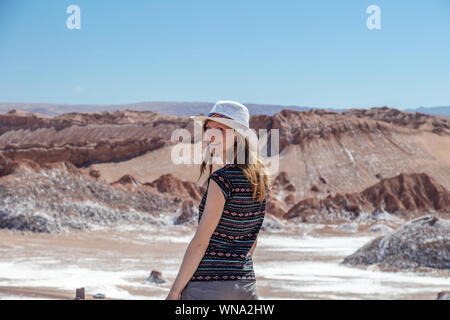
x=307, y=53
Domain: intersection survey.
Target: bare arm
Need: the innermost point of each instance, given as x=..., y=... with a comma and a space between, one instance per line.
x=253, y=247
x=215, y=202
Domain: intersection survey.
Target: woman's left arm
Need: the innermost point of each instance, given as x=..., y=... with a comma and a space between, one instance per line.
x=215, y=202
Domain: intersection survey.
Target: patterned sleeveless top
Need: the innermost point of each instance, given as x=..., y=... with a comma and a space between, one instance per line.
x=227, y=256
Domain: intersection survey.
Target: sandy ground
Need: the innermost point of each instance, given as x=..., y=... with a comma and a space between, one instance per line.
x=142, y=170
x=117, y=262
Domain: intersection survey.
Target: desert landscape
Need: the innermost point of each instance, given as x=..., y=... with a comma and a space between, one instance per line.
x=359, y=209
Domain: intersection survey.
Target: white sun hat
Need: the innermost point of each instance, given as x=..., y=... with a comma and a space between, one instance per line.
x=229, y=113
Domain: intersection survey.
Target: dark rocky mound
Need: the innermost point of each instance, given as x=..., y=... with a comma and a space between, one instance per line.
x=420, y=243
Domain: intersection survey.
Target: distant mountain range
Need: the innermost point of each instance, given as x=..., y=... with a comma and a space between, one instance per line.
x=164, y=107
x=434, y=111
x=178, y=108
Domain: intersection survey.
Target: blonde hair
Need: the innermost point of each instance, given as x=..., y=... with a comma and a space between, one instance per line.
x=255, y=172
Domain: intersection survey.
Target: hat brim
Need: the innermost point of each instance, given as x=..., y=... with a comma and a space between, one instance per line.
x=228, y=122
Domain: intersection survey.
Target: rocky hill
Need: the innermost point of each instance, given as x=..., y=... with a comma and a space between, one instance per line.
x=420, y=243
x=85, y=138
x=333, y=166
x=406, y=196
x=433, y=123
x=57, y=196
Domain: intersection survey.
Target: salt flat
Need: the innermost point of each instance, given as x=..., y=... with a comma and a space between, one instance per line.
x=295, y=265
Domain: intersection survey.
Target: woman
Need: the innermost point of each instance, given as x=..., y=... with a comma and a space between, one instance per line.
x=218, y=262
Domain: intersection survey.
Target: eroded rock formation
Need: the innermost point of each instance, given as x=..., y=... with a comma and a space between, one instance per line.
x=405, y=196
x=85, y=138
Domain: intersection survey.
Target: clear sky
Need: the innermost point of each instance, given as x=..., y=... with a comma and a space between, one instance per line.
x=308, y=53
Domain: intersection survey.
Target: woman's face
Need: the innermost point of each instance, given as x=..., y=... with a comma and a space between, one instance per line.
x=217, y=144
